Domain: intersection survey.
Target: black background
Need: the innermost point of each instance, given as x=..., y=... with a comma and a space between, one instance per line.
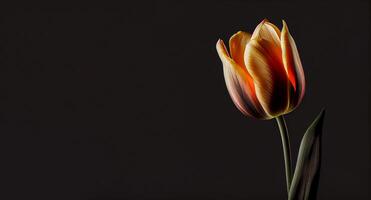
x=129, y=101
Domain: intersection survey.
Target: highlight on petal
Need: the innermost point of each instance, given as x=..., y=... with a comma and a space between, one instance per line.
x=267, y=31
x=238, y=86
x=293, y=66
x=263, y=61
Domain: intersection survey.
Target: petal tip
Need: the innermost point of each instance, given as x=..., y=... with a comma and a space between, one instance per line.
x=284, y=27
x=219, y=43
x=238, y=34
x=221, y=49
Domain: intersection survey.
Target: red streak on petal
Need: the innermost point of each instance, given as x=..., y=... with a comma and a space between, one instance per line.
x=292, y=78
x=250, y=81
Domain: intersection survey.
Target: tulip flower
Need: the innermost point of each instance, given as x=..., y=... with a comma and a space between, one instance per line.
x=263, y=71
x=265, y=79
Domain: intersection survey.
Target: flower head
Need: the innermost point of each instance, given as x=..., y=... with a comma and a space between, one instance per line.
x=263, y=71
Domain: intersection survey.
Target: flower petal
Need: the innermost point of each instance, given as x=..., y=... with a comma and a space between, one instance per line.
x=238, y=86
x=267, y=31
x=263, y=60
x=293, y=66
x=237, y=45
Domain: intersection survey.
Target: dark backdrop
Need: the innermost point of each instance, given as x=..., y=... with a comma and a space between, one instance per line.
x=129, y=101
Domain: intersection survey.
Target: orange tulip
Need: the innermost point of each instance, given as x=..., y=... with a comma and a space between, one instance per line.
x=263, y=71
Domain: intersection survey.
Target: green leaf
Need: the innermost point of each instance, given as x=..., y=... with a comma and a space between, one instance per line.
x=305, y=180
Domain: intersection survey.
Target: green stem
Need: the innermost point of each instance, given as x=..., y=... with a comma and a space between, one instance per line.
x=286, y=149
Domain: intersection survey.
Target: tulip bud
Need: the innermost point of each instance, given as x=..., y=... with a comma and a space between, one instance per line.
x=263, y=71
